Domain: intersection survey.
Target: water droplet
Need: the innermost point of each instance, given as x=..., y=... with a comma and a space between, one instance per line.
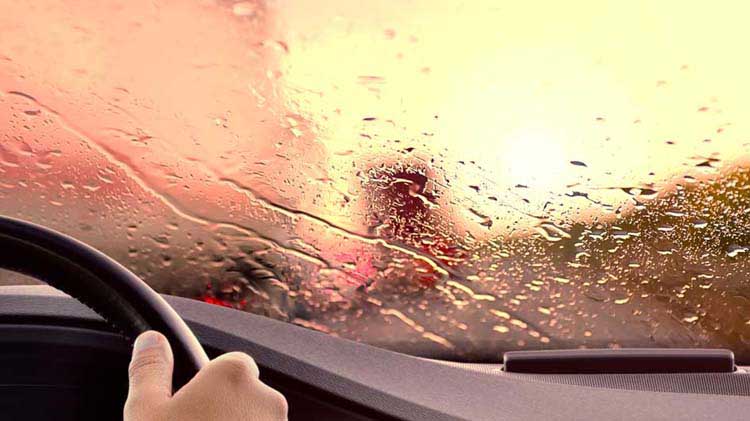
x=734, y=250
x=622, y=300
x=551, y=232
x=519, y=323
x=699, y=223
x=484, y=220
x=675, y=213
x=544, y=310
x=500, y=314
x=500, y=329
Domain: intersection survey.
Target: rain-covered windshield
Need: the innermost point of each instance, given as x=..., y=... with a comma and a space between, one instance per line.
x=452, y=179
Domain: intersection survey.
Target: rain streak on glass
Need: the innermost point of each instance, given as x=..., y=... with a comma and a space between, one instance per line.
x=359, y=170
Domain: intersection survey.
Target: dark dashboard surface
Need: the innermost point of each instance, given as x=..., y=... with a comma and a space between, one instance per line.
x=325, y=377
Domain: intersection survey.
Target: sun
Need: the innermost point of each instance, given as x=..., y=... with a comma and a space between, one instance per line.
x=534, y=157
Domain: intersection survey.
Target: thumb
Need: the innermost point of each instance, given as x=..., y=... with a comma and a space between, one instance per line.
x=150, y=370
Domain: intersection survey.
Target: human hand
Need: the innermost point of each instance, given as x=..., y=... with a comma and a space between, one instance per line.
x=226, y=389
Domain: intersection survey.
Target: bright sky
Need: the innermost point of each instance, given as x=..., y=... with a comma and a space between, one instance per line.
x=523, y=88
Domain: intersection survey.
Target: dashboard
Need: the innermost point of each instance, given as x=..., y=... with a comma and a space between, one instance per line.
x=58, y=354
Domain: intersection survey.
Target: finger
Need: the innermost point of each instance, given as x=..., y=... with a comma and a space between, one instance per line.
x=236, y=366
x=233, y=371
x=151, y=368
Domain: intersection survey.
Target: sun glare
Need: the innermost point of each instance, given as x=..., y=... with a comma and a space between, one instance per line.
x=533, y=157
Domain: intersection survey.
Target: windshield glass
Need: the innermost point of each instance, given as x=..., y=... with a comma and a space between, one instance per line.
x=450, y=179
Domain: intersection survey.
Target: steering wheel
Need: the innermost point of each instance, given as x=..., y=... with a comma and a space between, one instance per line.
x=116, y=294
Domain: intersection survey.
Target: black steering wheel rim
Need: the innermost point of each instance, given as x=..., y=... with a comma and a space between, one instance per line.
x=99, y=282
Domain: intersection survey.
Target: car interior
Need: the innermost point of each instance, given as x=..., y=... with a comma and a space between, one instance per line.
x=65, y=358
x=419, y=210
